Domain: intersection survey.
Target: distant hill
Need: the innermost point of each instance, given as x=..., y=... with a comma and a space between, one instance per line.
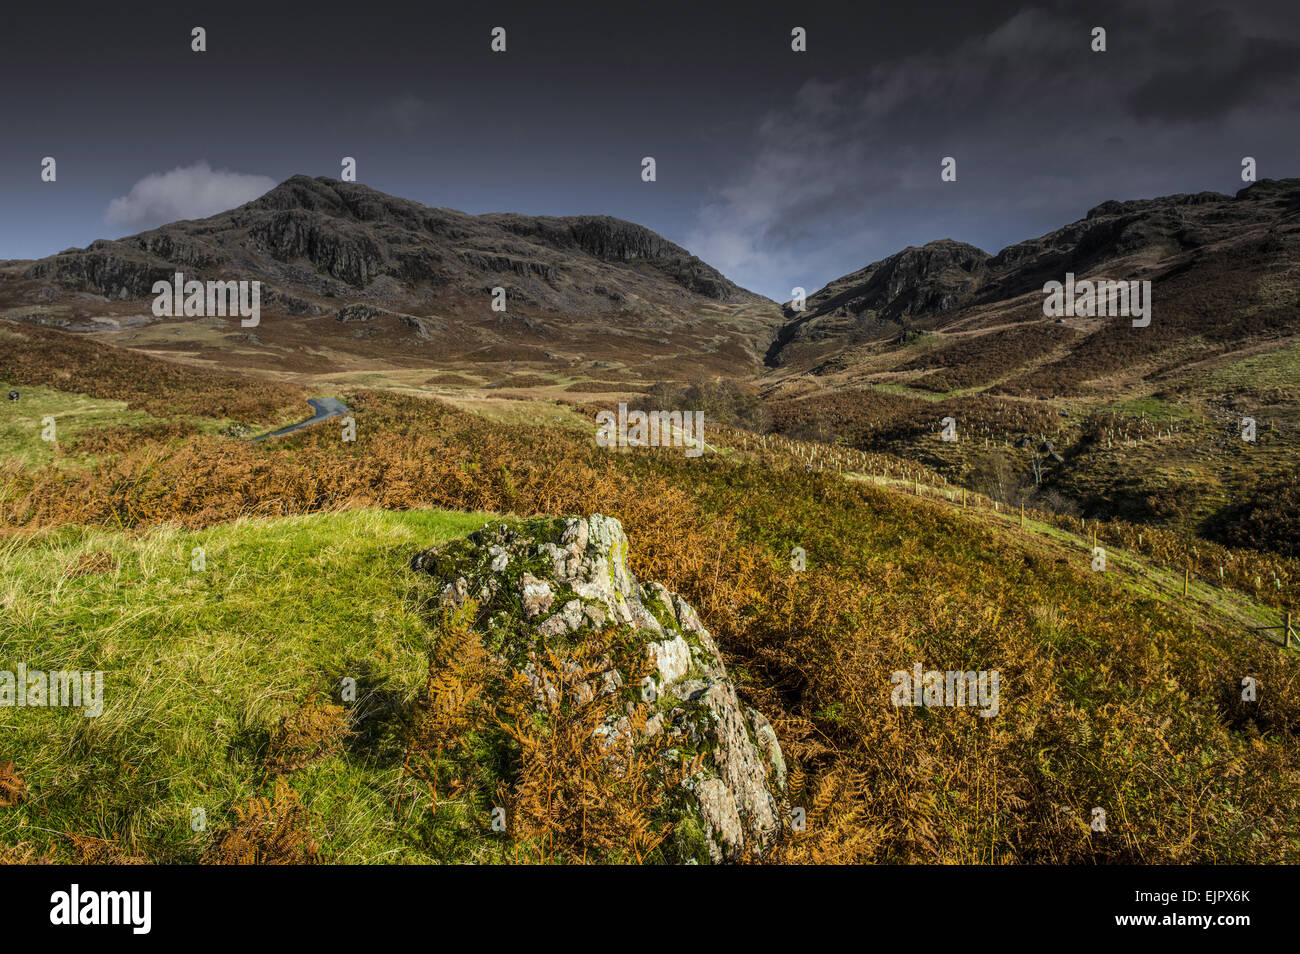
x=391, y=274
x=1145, y=421
x=1223, y=269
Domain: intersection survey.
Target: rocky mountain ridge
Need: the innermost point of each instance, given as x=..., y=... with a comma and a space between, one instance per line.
x=321, y=241
x=1147, y=237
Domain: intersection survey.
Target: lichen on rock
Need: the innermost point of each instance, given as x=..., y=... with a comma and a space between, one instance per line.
x=538, y=587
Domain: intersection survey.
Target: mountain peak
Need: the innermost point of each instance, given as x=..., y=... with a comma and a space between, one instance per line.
x=313, y=238
x=358, y=271
x=1119, y=238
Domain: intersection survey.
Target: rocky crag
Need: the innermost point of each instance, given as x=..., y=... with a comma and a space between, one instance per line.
x=321, y=245
x=537, y=588
x=347, y=270
x=948, y=281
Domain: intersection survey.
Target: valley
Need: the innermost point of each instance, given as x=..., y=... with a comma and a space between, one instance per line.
x=312, y=688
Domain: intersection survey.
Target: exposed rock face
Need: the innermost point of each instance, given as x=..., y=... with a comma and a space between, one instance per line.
x=935, y=277
x=1118, y=239
x=930, y=278
x=539, y=585
x=406, y=280
x=321, y=237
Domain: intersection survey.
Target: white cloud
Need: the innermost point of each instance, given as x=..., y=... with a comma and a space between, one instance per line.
x=186, y=192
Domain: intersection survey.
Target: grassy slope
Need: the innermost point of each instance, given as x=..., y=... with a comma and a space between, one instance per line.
x=1139, y=573
x=200, y=665
x=1112, y=697
x=74, y=414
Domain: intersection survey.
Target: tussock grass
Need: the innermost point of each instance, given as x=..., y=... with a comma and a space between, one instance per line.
x=200, y=667
x=1112, y=697
x=74, y=415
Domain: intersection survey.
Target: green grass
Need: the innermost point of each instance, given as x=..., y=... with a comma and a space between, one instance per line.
x=1276, y=369
x=1154, y=408
x=21, y=421
x=934, y=397
x=1147, y=578
x=528, y=412
x=1275, y=290
x=199, y=666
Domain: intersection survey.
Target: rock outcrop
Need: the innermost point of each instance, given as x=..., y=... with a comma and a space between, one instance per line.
x=406, y=280
x=942, y=280
x=538, y=586
x=312, y=238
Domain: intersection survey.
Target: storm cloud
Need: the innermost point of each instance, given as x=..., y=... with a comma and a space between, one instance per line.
x=1041, y=127
x=781, y=168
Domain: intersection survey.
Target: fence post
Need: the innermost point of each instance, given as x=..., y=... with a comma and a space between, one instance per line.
x=1185, y=572
x=1288, y=630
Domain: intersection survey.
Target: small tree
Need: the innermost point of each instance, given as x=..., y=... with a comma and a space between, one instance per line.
x=1040, y=456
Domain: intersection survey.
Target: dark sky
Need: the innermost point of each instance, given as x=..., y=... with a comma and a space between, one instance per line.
x=779, y=168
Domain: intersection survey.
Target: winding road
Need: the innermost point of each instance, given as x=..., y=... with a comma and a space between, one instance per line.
x=325, y=409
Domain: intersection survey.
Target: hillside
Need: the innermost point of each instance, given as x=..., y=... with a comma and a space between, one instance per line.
x=1116, y=691
x=1145, y=422
x=1200, y=251
x=353, y=276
